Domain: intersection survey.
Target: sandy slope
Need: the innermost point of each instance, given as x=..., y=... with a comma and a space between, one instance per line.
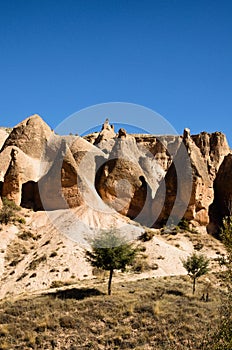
x=50, y=253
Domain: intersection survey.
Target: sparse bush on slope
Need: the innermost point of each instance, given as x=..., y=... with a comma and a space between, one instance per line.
x=8, y=212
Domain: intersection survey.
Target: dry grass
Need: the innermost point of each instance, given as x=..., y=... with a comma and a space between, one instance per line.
x=147, y=314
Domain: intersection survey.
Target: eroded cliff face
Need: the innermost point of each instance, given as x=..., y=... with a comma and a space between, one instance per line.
x=145, y=177
x=222, y=203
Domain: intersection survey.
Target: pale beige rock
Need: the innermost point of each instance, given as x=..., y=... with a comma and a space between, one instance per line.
x=59, y=188
x=126, y=170
x=3, y=136
x=214, y=147
x=163, y=148
x=31, y=136
x=127, y=181
x=202, y=194
x=106, y=133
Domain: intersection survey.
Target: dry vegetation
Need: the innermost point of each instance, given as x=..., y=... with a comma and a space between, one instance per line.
x=147, y=314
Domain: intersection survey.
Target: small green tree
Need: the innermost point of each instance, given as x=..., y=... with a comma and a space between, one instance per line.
x=110, y=251
x=196, y=266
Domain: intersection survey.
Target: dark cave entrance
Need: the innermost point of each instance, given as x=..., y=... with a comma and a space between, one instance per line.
x=30, y=197
x=1, y=187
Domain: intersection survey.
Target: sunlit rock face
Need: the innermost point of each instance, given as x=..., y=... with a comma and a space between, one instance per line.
x=135, y=175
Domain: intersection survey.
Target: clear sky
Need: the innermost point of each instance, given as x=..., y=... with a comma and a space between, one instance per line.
x=173, y=56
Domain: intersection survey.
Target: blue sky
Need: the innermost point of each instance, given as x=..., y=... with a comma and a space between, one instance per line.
x=172, y=56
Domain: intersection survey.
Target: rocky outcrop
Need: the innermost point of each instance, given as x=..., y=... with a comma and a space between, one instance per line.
x=31, y=136
x=202, y=185
x=21, y=169
x=214, y=147
x=12, y=180
x=163, y=148
x=153, y=179
x=127, y=181
x=205, y=154
x=60, y=188
x=3, y=136
x=106, y=133
x=222, y=204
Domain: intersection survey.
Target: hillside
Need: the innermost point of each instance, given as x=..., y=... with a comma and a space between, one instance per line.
x=147, y=314
x=168, y=194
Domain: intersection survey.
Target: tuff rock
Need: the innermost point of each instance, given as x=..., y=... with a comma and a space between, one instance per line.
x=149, y=178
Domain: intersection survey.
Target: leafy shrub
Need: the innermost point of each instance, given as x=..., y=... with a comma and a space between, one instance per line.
x=146, y=236
x=184, y=224
x=10, y=204
x=21, y=220
x=36, y=262
x=68, y=322
x=6, y=215
x=25, y=235
x=58, y=284
x=140, y=265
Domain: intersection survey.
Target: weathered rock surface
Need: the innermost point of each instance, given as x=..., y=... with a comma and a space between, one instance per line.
x=30, y=136
x=205, y=154
x=106, y=133
x=3, y=136
x=222, y=204
x=129, y=179
x=59, y=187
x=214, y=147
x=163, y=148
x=18, y=168
x=137, y=175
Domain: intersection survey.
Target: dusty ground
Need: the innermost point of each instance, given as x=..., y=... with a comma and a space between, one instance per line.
x=36, y=256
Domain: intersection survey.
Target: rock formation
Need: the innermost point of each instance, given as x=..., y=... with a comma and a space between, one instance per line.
x=3, y=136
x=60, y=186
x=203, y=164
x=30, y=136
x=140, y=176
x=222, y=204
x=127, y=180
x=106, y=133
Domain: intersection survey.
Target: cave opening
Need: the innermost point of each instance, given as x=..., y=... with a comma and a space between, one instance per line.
x=30, y=197
x=1, y=187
